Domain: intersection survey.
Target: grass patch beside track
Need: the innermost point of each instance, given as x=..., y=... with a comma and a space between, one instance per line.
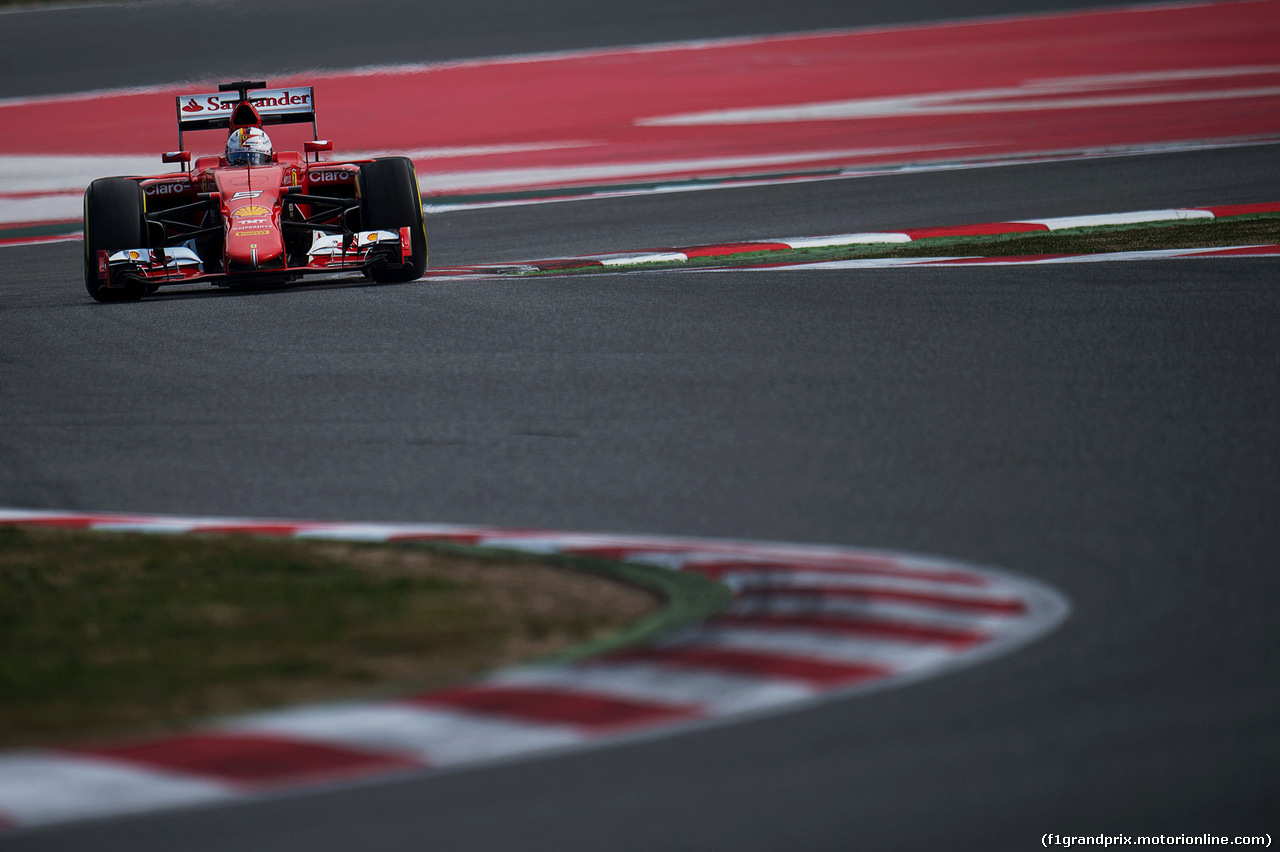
x=1187, y=234
x=1262, y=229
x=106, y=634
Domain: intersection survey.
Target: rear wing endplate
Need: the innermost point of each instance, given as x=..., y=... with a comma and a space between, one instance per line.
x=212, y=111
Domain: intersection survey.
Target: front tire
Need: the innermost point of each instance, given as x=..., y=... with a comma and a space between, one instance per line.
x=389, y=200
x=114, y=219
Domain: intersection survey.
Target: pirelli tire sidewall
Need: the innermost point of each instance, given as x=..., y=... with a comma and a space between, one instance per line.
x=390, y=200
x=114, y=220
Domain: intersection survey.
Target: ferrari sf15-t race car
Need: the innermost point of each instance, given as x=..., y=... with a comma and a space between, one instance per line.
x=253, y=215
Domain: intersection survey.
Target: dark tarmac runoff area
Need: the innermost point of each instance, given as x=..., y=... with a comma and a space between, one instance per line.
x=1110, y=429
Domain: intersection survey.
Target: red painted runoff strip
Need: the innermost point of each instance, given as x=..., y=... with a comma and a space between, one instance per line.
x=275, y=530
x=810, y=670
x=252, y=760
x=583, y=710
x=717, y=570
x=1066, y=81
x=1241, y=209
x=79, y=523
x=851, y=625
x=974, y=230
x=451, y=538
x=730, y=249
x=995, y=606
x=1239, y=252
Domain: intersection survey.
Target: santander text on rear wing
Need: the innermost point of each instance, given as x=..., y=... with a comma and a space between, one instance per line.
x=210, y=111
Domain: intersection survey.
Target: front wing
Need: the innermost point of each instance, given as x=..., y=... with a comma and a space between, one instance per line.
x=360, y=251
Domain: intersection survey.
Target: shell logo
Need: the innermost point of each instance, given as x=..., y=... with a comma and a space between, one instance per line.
x=133, y=255
x=250, y=210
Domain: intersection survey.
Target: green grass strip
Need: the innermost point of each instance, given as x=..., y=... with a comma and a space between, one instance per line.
x=1256, y=229
x=689, y=598
x=111, y=634
x=56, y=229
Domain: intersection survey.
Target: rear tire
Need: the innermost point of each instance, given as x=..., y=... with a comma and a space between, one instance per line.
x=389, y=200
x=114, y=220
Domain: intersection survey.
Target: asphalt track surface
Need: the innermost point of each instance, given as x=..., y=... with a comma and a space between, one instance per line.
x=1110, y=429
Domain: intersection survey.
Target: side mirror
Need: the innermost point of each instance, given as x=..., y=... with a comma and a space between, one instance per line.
x=183, y=157
x=317, y=146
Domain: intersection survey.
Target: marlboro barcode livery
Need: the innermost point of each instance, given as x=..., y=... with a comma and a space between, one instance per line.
x=254, y=214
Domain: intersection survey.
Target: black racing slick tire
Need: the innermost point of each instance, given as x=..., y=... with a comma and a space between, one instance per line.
x=114, y=219
x=389, y=200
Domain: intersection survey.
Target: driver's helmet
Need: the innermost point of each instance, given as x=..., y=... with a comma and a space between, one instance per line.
x=248, y=146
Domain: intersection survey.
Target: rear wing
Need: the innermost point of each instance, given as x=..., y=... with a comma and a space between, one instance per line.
x=213, y=110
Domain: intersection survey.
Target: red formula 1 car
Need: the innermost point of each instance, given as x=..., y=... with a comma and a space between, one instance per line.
x=253, y=215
